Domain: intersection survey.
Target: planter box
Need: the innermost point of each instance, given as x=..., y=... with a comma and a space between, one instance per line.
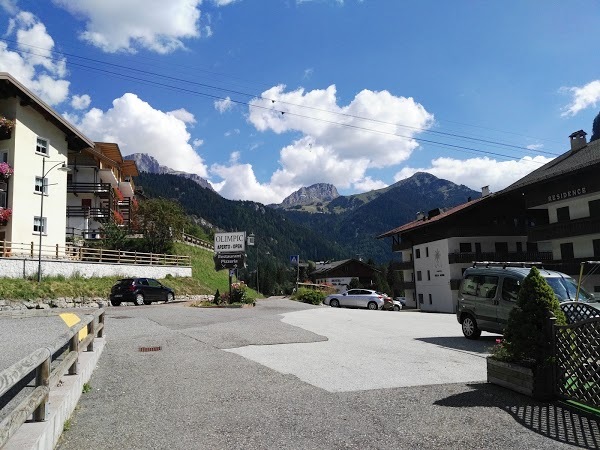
x=5, y=133
x=531, y=382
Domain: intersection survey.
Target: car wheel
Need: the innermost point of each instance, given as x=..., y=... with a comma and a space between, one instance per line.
x=170, y=297
x=396, y=308
x=372, y=306
x=334, y=303
x=469, y=327
x=115, y=302
x=139, y=300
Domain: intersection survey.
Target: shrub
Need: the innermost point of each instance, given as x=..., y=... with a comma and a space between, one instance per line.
x=526, y=337
x=311, y=296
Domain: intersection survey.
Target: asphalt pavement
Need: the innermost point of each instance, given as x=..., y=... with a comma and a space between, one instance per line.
x=285, y=375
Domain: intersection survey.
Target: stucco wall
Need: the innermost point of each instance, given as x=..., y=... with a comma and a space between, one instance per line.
x=22, y=268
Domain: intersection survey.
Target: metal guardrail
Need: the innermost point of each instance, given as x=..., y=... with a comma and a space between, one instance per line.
x=35, y=404
x=87, y=254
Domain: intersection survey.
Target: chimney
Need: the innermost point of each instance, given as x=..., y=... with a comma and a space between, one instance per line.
x=485, y=191
x=578, y=140
x=420, y=216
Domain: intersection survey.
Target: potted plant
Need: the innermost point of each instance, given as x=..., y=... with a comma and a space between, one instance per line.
x=523, y=360
x=6, y=127
x=5, y=214
x=5, y=171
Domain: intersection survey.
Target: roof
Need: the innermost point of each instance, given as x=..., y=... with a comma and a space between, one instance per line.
x=565, y=163
x=9, y=86
x=324, y=268
x=111, y=153
x=425, y=221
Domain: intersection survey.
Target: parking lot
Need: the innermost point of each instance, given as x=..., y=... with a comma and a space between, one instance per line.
x=290, y=375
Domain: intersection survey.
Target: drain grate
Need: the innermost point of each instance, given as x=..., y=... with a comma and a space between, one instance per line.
x=150, y=349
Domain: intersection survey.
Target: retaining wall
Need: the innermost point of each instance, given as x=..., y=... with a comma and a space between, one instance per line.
x=24, y=268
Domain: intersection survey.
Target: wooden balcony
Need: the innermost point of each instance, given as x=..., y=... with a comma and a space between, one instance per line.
x=98, y=214
x=469, y=257
x=577, y=227
x=404, y=265
x=101, y=189
x=406, y=285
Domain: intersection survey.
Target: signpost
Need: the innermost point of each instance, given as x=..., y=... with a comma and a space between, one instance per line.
x=230, y=252
x=295, y=261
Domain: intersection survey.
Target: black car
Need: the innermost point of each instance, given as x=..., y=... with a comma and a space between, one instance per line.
x=141, y=291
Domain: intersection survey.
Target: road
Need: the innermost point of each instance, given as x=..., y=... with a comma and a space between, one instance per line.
x=285, y=375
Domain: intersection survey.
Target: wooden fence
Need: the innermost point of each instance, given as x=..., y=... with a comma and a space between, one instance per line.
x=87, y=254
x=39, y=361
x=188, y=238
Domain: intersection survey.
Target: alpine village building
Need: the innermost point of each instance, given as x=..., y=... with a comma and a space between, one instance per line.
x=37, y=149
x=551, y=216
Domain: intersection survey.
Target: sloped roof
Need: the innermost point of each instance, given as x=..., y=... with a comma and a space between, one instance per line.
x=424, y=222
x=324, y=268
x=9, y=85
x=565, y=163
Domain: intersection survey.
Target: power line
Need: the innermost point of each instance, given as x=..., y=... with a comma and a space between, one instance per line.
x=273, y=101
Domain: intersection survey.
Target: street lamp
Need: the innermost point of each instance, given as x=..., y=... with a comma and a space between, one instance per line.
x=251, y=241
x=42, y=226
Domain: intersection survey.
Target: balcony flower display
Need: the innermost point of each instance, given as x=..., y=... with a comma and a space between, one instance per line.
x=5, y=171
x=118, y=217
x=119, y=194
x=5, y=214
x=6, y=127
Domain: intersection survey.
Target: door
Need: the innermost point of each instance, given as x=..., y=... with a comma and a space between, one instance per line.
x=350, y=298
x=508, y=299
x=478, y=295
x=158, y=293
x=145, y=288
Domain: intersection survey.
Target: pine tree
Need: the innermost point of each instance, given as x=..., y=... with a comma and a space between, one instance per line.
x=596, y=128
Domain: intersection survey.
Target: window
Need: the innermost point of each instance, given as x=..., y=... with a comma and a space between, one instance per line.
x=42, y=146
x=501, y=247
x=420, y=298
x=3, y=156
x=562, y=214
x=465, y=247
x=532, y=247
x=596, y=245
x=566, y=251
x=153, y=283
x=430, y=300
x=477, y=247
x=479, y=285
x=41, y=185
x=418, y=253
x=428, y=275
x=510, y=289
x=594, y=208
x=426, y=252
x=39, y=225
x=419, y=275
x=519, y=247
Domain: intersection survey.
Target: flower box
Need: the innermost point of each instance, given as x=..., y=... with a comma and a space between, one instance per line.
x=6, y=127
x=534, y=382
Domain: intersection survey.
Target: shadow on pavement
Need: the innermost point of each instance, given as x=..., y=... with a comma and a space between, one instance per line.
x=482, y=345
x=553, y=420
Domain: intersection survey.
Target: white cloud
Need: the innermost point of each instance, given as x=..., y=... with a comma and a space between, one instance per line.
x=308, y=73
x=117, y=25
x=234, y=157
x=223, y=105
x=81, y=101
x=368, y=184
x=197, y=143
x=31, y=64
x=139, y=128
x=10, y=6
x=240, y=183
x=535, y=146
x=224, y=2
x=583, y=97
x=478, y=172
x=183, y=115
x=232, y=132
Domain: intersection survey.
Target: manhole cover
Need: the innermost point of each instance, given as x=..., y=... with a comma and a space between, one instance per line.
x=150, y=349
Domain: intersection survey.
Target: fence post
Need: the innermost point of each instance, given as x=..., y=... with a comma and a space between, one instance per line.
x=3, y=248
x=135, y=257
x=56, y=251
x=74, y=347
x=150, y=258
x=32, y=249
x=101, y=321
x=42, y=378
x=90, y=330
x=100, y=255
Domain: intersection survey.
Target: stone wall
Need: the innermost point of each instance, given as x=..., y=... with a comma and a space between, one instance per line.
x=23, y=268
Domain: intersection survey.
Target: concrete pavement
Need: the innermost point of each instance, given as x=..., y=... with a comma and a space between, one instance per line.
x=223, y=379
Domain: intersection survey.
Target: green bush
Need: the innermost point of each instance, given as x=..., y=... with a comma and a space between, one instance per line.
x=526, y=337
x=309, y=296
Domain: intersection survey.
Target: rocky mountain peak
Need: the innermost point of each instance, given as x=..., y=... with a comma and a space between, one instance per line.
x=320, y=192
x=149, y=164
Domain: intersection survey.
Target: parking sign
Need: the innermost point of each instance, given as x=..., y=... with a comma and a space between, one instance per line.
x=294, y=259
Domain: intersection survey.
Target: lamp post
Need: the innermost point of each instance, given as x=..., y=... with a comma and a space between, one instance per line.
x=251, y=241
x=42, y=226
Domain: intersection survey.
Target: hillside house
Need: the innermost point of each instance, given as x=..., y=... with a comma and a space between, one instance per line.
x=340, y=273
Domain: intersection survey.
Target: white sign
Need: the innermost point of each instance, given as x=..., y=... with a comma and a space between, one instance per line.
x=230, y=242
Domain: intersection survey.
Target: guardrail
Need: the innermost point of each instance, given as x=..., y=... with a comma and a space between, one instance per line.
x=87, y=254
x=197, y=241
x=35, y=404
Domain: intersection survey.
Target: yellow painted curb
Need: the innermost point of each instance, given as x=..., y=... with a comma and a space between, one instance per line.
x=71, y=319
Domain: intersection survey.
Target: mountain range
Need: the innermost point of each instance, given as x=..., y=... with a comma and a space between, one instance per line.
x=315, y=222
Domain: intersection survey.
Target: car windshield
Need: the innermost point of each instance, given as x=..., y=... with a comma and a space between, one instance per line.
x=565, y=289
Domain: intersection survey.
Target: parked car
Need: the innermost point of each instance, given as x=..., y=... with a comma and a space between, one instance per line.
x=356, y=298
x=488, y=294
x=402, y=301
x=141, y=291
x=397, y=305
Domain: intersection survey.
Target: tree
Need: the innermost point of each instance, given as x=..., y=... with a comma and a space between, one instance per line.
x=596, y=128
x=354, y=283
x=115, y=237
x=161, y=222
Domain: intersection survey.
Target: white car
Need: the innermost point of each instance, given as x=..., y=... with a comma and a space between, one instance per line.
x=356, y=298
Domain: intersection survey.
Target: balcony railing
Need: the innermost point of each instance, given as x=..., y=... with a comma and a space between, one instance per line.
x=401, y=245
x=577, y=227
x=89, y=188
x=98, y=214
x=469, y=257
x=406, y=285
x=573, y=266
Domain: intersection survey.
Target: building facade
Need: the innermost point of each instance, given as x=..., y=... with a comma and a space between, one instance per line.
x=339, y=274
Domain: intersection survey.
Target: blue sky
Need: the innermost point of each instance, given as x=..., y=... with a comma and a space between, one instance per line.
x=262, y=97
